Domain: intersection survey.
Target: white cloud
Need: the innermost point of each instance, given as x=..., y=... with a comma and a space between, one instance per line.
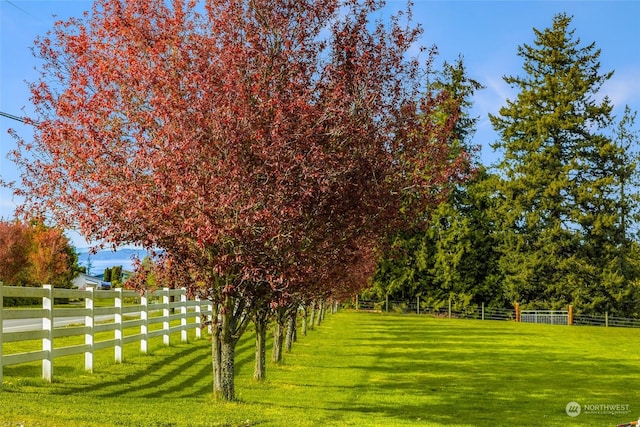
x=623, y=88
x=494, y=96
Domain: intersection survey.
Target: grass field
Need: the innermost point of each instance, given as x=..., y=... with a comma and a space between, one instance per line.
x=355, y=369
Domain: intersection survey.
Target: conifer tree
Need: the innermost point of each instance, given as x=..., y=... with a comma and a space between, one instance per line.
x=437, y=263
x=561, y=175
x=107, y=274
x=464, y=237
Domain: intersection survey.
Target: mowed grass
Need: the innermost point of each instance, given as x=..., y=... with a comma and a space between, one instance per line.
x=361, y=369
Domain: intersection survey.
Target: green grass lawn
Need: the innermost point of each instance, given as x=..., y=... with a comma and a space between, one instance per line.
x=355, y=369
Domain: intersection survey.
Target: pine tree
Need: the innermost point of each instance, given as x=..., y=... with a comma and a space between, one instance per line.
x=561, y=175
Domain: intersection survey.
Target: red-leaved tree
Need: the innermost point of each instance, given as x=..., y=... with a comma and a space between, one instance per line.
x=32, y=254
x=250, y=140
x=15, y=247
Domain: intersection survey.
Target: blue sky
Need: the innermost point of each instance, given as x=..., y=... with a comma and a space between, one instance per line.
x=486, y=33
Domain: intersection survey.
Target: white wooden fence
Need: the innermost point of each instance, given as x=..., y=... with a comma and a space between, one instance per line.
x=188, y=312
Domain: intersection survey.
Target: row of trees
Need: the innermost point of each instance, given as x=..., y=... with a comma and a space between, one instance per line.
x=554, y=221
x=266, y=149
x=32, y=254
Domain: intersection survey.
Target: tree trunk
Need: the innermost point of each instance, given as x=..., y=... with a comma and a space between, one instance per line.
x=278, y=337
x=216, y=352
x=305, y=316
x=294, y=336
x=224, y=352
x=320, y=312
x=228, y=351
x=260, y=367
x=312, y=317
x=291, y=330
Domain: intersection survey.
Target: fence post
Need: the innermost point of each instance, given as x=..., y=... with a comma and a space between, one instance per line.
x=1, y=332
x=517, y=312
x=418, y=305
x=89, y=324
x=198, y=318
x=570, y=317
x=118, y=330
x=183, y=315
x=606, y=319
x=482, y=310
x=144, y=327
x=165, y=314
x=47, y=341
x=449, y=307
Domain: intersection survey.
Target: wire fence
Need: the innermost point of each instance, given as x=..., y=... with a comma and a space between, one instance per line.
x=471, y=312
x=556, y=317
x=606, y=320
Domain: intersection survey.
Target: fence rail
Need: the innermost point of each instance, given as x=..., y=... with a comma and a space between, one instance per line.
x=171, y=304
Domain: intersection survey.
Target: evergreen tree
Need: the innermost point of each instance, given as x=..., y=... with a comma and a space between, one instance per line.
x=116, y=275
x=455, y=258
x=406, y=270
x=459, y=87
x=561, y=176
x=620, y=274
x=464, y=237
x=429, y=264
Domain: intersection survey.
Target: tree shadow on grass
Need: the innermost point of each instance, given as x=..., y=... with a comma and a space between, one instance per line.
x=148, y=377
x=191, y=385
x=448, y=374
x=187, y=372
x=450, y=394
x=157, y=376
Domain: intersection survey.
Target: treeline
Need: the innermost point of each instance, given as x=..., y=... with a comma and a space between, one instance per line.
x=554, y=221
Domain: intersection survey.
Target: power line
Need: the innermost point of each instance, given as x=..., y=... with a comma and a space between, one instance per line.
x=12, y=117
x=19, y=8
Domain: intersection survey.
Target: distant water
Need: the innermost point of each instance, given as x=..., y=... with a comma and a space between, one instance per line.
x=107, y=258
